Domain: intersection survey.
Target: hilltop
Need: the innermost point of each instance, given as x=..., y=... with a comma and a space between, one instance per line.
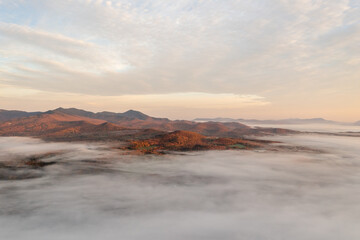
x=190, y=141
x=72, y=122
x=140, y=131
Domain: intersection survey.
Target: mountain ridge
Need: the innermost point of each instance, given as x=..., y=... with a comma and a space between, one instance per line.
x=279, y=121
x=63, y=123
x=6, y=115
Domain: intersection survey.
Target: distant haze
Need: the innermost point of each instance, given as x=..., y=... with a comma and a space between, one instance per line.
x=183, y=59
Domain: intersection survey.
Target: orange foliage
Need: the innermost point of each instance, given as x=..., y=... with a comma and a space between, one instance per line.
x=187, y=141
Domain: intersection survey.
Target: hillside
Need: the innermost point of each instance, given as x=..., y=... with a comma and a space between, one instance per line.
x=189, y=141
x=129, y=119
x=108, y=116
x=77, y=124
x=7, y=115
x=54, y=124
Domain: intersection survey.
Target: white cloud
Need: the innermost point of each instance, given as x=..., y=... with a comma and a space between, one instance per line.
x=33, y=49
x=270, y=48
x=204, y=195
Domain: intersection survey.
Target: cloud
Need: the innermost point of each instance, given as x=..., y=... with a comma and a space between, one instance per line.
x=35, y=48
x=93, y=192
x=135, y=47
x=53, y=42
x=293, y=53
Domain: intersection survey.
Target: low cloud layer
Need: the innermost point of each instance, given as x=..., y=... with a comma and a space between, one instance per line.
x=94, y=192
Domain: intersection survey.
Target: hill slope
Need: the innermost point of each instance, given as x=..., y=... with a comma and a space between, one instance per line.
x=108, y=116
x=190, y=141
x=137, y=120
x=54, y=124
x=65, y=123
x=7, y=115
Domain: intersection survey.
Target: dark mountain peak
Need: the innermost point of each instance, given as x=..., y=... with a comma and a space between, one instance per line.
x=135, y=114
x=106, y=112
x=73, y=111
x=321, y=119
x=131, y=111
x=61, y=109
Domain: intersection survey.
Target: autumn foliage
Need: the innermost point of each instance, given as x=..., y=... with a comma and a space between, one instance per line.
x=189, y=141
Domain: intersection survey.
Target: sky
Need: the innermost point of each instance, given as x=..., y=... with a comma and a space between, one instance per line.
x=265, y=59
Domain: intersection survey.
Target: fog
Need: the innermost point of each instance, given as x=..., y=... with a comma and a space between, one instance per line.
x=96, y=192
x=333, y=128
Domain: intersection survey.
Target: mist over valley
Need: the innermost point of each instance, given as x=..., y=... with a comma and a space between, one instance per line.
x=94, y=191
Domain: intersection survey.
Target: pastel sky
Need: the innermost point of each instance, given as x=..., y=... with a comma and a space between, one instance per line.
x=265, y=59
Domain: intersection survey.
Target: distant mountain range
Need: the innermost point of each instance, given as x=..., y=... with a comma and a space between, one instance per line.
x=77, y=124
x=275, y=122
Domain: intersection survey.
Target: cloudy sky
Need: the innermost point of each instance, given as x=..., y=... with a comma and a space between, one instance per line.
x=183, y=59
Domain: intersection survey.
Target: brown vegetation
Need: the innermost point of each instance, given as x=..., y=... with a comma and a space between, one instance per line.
x=147, y=134
x=189, y=141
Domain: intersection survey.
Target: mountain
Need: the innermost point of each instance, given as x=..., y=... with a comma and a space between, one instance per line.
x=280, y=121
x=54, y=124
x=137, y=120
x=108, y=116
x=77, y=124
x=6, y=115
x=357, y=123
x=132, y=114
x=73, y=111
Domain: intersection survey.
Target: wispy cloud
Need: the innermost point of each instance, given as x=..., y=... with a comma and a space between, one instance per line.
x=270, y=48
x=204, y=45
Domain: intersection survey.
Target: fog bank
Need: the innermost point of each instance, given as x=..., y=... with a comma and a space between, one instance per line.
x=94, y=192
x=329, y=128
